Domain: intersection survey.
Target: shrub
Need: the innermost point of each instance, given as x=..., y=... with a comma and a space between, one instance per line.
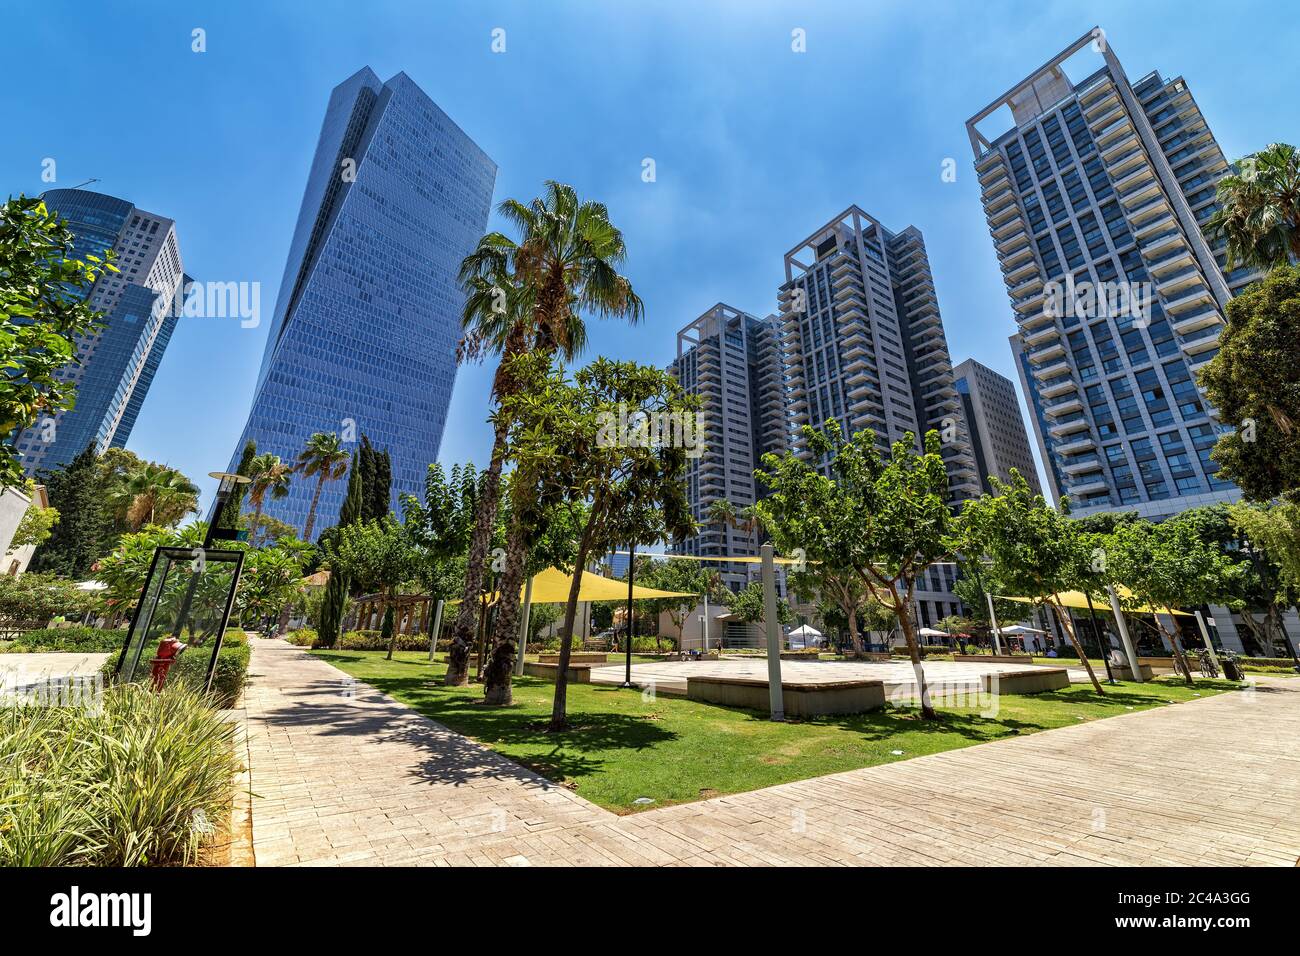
x=191, y=669
x=374, y=641
x=141, y=782
x=69, y=639
x=303, y=637
x=32, y=599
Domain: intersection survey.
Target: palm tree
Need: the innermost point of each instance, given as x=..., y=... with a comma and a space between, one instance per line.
x=325, y=458
x=269, y=475
x=1259, y=209
x=153, y=494
x=525, y=296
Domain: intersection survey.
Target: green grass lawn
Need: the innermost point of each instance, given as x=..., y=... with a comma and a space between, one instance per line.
x=673, y=750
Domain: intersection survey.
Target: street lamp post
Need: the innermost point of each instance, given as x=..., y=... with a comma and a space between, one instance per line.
x=627, y=651
x=226, y=484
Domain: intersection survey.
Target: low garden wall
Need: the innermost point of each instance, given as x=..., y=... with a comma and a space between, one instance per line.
x=577, y=657
x=994, y=658
x=576, y=673
x=800, y=700
x=1035, y=681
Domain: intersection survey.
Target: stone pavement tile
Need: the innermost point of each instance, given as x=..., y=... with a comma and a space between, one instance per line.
x=364, y=780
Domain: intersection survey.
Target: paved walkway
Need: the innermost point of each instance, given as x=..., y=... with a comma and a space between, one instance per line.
x=342, y=774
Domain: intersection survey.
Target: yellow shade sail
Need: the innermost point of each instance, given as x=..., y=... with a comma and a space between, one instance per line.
x=1079, y=601
x=552, y=587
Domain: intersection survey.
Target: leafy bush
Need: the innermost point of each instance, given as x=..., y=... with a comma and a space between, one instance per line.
x=191, y=670
x=33, y=599
x=143, y=782
x=69, y=639
x=374, y=641
x=303, y=637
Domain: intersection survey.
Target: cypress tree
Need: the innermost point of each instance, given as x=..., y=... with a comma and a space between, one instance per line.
x=76, y=540
x=229, y=517
x=336, y=589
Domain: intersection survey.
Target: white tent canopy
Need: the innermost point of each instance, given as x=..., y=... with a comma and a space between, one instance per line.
x=931, y=632
x=1015, y=629
x=805, y=636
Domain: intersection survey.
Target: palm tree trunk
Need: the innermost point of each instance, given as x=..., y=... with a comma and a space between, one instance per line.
x=462, y=634
x=257, y=524
x=1064, y=620
x=311, y=512
x=505, y=631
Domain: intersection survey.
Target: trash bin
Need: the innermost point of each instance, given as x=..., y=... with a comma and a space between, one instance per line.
x=1231, y=669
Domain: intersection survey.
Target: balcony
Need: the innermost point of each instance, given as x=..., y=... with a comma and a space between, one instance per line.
x=1064, y=406
x=1131, y=180
x=1174, y=283
x=1013, y=224
x=1081, y=465
x=1075, y=444
x=1021, y=254
x=1050, y=369
x=1011, y=243
x=1048, y=349
x=1136, y=197
x=1057, y=386
x=1086, y=486
x=1186, y=301
x=1069, y=425
x=1111, y=134
x=1199, y=319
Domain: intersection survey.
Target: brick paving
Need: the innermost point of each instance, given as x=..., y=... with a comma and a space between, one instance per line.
x=344, y=775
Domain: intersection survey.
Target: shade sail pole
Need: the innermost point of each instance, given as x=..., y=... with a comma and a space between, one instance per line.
x=775, y=696
x=1124, y=637
x=523, y=626
x=437, y=628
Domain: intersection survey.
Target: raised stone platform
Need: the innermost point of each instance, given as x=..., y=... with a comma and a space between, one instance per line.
x=576, y=657
x=993, y=658
x=576, y=673
x=1035, y=681
x=802, y=699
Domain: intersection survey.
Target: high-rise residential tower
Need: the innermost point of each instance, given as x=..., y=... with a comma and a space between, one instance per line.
x=864, y=344
x=116, y=364
x=1096, y=199
x=997, y=429
x=731, y=360
x=363, y=338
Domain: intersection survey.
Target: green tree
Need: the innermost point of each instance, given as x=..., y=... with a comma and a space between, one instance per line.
x=567, y=433
x=229, y=517
x=375, y=555
x=37, y=523
x=440, y=527
x=270, y=476
x=78, y=539
x=125, y=568
x=1254, y=382
x=43, y=291
x=1270, y=539
x=522, y=296
x=886, y=519
x=1165, y=565
x=271, y=578
x=840, y=595
x=335, y=600
x=324, y=459
x=153, y=494
x=376, y=481
x=1258, y=209
x=677, y=574
x=29, y=601
x=746, y=520
x=1034, y=550
x=747, y=605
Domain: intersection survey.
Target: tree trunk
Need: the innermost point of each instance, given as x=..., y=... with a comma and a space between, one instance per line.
x=903, y=612
x=311, y=512
x=497, y=676
x=1064, y=620
x=559, y=715
x=462, y=633
x=257, y=524
x=1180, y=658
x=854, y=636
x=1253, y=629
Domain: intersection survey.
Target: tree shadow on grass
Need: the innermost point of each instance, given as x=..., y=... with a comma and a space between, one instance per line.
x=452, y=756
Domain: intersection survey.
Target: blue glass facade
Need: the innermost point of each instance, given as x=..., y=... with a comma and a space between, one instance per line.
x=115, y=365
x=364, y=334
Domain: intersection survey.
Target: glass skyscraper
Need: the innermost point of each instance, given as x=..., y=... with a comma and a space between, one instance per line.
x=363, y=338
x=116, y=364
x=1096, y=198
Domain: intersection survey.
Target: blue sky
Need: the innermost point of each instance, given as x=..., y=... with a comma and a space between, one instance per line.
x=755, y=145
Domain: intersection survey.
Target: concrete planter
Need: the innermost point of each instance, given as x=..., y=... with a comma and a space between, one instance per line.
x=1036, y=681
x=576, y=674
x=577, y=657
x=1126, y=673
x=800, y=700
x=800, y=656
x=993, y=658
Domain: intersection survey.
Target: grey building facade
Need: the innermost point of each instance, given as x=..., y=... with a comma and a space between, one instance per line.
x=997, y=429
x=732, y=361
x=1095, y=201
x=864, y=344
x=363, y=338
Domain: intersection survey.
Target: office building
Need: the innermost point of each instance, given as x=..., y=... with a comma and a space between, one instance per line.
x=364, y=333
x=997, y=429
x=115, y=364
